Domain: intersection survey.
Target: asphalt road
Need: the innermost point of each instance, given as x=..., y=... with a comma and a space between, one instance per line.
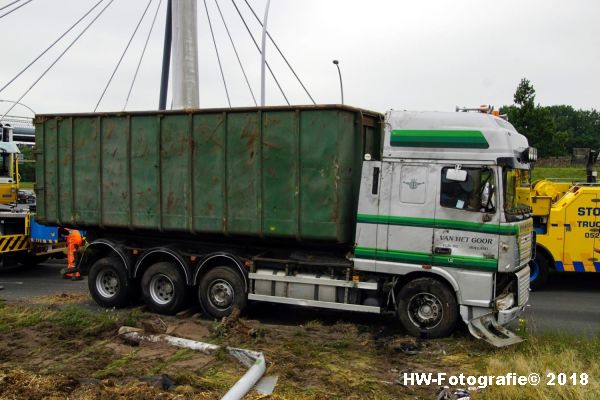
x=21, y=283
x=569, y=303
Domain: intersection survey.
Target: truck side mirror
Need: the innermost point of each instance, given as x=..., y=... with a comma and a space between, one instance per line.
x=457, y=175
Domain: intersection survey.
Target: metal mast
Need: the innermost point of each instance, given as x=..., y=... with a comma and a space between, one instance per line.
x=185, y=54
x=263, y=52
x=166, y=63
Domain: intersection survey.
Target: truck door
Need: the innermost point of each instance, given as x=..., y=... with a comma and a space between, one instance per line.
x=410, y=207
x=580, y=233
x=369, y=222
x=467, y=221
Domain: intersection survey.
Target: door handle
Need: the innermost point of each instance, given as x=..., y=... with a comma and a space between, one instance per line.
x=375, y=187
x=442, y=250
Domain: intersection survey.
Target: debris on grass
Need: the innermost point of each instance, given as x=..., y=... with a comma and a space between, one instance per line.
x=156, y=325
x=232, y=322
x=254, y=361
x=51, y=351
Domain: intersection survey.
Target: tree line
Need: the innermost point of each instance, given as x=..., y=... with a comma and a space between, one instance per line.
x=553, y=130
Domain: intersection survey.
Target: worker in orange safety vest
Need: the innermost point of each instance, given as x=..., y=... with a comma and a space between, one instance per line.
x=74, y=242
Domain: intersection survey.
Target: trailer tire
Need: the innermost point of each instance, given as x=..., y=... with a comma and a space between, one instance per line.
x=427, y=308
x=108, y=283
x=220, y=291
x=538, y=277
x=163, y=288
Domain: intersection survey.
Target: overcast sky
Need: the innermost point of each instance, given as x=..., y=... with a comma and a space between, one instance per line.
x=414, y=55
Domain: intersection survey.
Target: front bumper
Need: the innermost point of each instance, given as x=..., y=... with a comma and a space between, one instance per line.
x=490, y=326
x=504, y=316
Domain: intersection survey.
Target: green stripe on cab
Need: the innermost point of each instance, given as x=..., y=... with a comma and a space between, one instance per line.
x=411, y=257
x=463, y=139
x=506, y=230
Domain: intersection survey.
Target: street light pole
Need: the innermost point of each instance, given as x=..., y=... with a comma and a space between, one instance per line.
x=337, y=64
x=14, y=103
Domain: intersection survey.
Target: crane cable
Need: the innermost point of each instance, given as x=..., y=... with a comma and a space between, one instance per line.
x=10, y=4
x=51, y=46
x=14, y=9
x=123, y=55
x=217, y=51
x=260, y=52
x=281, y=53
x=58, y=58
x=236, y=53
x=142, y=55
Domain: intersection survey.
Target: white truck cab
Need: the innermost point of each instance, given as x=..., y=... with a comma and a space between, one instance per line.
x=439, y=203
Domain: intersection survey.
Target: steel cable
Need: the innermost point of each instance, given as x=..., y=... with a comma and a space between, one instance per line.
x=51, y=46
x=142, y=55
x=281, y=53
x=14, y=9
x=217, y=51
x=260, y=52
x=123, y=55
x=236, y=53
x=59, y=57
x=9, y=4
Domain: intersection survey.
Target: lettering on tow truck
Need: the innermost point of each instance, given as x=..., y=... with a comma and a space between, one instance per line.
x=588, y=224
x=588, y=211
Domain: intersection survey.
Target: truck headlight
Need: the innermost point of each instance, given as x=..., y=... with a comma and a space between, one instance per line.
x=505, y=301
x=530, y=154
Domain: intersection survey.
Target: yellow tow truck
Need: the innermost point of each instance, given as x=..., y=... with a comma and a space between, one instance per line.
x=22, y=240
x=566, y=217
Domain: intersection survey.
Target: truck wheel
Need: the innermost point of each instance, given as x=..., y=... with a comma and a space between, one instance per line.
x=220, y=290
x=164, y=288
x=427, y=308
x=108, y=283
x=539, y=266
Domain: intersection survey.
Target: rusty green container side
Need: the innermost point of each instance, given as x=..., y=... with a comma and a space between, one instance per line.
x=288, y=172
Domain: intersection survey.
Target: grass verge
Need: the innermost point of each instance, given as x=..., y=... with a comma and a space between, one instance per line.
x=314, y=359
x=575, y=173
x=547, y=355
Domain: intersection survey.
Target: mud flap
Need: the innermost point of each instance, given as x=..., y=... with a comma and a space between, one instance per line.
x=488, y=329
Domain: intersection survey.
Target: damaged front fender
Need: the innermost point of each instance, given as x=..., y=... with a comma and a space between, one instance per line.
x=487, y=328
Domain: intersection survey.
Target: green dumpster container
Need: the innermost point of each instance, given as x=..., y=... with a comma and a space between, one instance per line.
x=287, y=172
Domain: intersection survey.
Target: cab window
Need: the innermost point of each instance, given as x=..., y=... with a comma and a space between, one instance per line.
x=471, y=190
x=6, y=165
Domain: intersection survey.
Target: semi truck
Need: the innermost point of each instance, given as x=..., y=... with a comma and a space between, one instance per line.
x=330, y=206
x=566, y=215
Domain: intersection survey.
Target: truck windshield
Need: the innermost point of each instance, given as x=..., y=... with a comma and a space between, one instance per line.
x=516, y=193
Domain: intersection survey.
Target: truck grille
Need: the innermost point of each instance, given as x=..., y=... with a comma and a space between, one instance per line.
x=523, y=285
x=525, y=242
